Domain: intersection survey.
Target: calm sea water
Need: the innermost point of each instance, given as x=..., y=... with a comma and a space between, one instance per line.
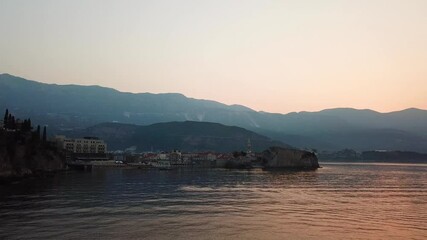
x=338, y=201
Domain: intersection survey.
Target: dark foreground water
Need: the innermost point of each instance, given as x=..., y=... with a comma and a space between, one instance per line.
x=339, y=201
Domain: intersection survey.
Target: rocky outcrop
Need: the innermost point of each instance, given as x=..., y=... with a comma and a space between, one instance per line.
x=21, y=157
x=277, y=157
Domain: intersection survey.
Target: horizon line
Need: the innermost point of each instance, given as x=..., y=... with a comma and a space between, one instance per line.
x=230, y=105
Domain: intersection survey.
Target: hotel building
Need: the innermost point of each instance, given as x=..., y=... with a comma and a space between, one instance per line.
x=82, y=145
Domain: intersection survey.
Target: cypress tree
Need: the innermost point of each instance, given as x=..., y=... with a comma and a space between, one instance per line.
x=9, y=121
x=5, y=118
x=29, y=124
x=24, y=125
x=44, y=134
x=38, y=132
x=13, y=123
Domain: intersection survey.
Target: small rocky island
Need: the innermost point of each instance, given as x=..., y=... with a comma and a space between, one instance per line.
x=285, y=158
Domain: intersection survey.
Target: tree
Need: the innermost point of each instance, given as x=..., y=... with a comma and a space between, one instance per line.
x=44, y=134
x=26, y=125
x=29, y=124
x=12, y=123
x=5, y=118
x=9, y=121
x=38, y=132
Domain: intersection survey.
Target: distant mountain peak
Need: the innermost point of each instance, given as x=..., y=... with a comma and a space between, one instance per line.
x=70, y=107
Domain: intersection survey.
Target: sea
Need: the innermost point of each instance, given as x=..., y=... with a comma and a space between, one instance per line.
x=337, y=201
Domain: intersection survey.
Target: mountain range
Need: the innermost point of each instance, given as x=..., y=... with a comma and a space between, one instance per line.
x=68, y=108
x=185, y=136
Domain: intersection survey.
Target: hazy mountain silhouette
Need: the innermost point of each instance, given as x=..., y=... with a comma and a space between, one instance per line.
x=66, y=107
x=185, y=136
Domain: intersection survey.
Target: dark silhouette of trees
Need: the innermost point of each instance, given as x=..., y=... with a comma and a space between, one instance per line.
x=21, y=149
x=13, y=123
x=38, y=132
x=10, y=123
x=26, y=125
x=44, y=134
x=6, y=114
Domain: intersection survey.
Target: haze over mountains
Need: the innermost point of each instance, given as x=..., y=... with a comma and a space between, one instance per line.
x=185, y=136
x=70, y=107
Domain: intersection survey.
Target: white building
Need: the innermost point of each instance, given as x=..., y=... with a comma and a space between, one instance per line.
x=82, y=145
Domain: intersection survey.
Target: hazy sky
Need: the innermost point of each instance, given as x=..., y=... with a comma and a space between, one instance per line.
x=277, y=56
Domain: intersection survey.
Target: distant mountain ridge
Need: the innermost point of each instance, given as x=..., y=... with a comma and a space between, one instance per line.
x=71, y=107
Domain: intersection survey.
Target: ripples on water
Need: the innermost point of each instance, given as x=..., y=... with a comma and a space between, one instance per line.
x=338, y=201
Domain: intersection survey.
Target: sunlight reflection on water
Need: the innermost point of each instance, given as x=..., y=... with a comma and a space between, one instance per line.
x=352, y=201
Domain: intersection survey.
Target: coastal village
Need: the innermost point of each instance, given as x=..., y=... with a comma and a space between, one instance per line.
x=89, y=152
x=26, y=150
x=92, y=150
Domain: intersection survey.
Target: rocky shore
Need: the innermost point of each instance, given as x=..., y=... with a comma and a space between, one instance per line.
x=44, y=163
x=22, y=155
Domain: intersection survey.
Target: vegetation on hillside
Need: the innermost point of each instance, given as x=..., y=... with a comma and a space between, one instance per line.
x=185, y=136
x=24, y=151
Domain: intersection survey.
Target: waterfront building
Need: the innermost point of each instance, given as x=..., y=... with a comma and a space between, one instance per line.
x=81, y=145
x=176, y=157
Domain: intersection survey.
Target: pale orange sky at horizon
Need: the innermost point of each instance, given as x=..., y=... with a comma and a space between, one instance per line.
x=273, y=56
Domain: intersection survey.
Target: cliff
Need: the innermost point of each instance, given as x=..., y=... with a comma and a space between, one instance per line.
x=277, y=157
x=21, y=155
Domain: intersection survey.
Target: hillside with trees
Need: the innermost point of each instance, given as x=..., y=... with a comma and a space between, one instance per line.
x=24, y=151
x=185, y=136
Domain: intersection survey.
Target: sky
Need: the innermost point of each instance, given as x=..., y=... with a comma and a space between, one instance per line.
x=275, y=56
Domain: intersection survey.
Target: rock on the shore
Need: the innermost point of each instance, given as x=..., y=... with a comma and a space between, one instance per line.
x=24, y=157
x=277, y=157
